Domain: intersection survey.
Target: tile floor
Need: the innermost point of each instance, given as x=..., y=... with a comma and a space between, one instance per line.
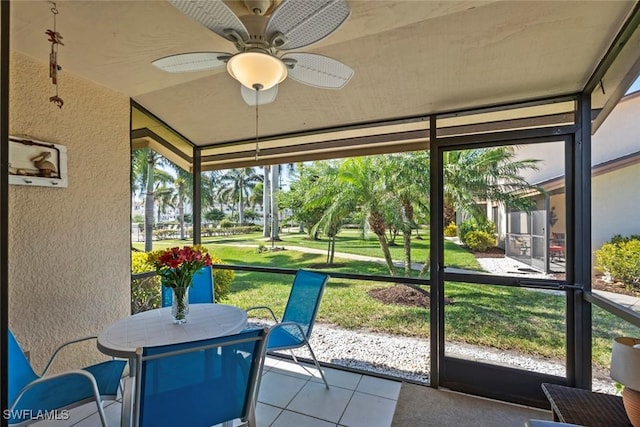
x=292, y=396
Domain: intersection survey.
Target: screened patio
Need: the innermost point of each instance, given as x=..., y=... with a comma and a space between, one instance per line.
x=438, y=76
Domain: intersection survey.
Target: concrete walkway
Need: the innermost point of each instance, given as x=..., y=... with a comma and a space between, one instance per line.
x=502, y=266
x=627, y=301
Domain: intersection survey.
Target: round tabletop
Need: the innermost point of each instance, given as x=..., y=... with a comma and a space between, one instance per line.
x=156, y=327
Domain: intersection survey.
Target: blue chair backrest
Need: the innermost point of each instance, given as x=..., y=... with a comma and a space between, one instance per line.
x=201, y=383
x=20, y=371
x=304, y=299
x=201, y=290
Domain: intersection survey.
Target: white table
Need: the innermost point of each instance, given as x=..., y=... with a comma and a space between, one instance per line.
x=156, y=327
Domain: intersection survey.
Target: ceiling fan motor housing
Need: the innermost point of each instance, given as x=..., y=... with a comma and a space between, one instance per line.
x=258, y=7
x=255, y=25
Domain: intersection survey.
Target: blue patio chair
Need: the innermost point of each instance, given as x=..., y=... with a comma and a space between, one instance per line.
x=170, y=390
x=201, y=290
x=32, y=395
x=294, y=330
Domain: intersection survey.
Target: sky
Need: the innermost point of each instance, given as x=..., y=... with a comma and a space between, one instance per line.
x=635, y=86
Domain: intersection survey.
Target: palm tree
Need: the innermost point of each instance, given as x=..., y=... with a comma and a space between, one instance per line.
x=296, y=199
x=162, y=196
x=239, y=184
x=209, y=188
x=408, y=183
x=321, y=198
x=362, y=184
x=481, y=174
x=178, y=199
x=144, y=169
x=256, y=198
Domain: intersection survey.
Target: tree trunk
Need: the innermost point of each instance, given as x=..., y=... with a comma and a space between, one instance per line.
x=407, y=213
x=148, y=204
x=241, y=208
x=329, y=251
x=181, y=213
x=266, y=202
x=425, y=267
x=382, y=239
x=376, y=222
x=333, y=249
x=449, y=214
x=275, y=220
x=406, y=240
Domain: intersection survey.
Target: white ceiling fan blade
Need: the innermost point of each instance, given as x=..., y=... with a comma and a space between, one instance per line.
x=317, y=70
x=303, y=22
x=213, y=14
x=194, y=61
x=264, y=96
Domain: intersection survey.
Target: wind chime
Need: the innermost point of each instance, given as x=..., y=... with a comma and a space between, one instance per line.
x=56, y=40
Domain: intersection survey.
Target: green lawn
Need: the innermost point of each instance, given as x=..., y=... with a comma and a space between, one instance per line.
x=530, y=322
x=350, y=241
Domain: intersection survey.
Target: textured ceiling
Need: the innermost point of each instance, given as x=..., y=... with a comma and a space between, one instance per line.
x=410, y=58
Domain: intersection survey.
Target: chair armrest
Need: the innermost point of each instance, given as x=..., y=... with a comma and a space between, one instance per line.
x=55, y=353
x=82, y=373
x=263, y=307
x=303, y=335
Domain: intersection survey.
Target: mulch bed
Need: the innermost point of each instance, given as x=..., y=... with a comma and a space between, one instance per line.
x=494, y=252
x=322, y=265
x=616, y=287
x=403, y=295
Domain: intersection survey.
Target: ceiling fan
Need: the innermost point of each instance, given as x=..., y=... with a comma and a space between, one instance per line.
x=271, y=26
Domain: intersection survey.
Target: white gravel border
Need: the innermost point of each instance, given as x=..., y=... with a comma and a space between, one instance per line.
x=408, y=358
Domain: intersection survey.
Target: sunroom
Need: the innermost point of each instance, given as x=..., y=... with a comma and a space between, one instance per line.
x=439, y=76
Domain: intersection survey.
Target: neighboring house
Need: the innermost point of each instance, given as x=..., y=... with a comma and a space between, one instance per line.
x=538, y=238
x=616, y=173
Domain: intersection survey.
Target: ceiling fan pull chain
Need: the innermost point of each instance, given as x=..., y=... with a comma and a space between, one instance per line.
x=257, y=88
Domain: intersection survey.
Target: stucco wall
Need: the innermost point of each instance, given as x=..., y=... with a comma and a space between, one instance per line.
x=615, y=211
x=69, y=248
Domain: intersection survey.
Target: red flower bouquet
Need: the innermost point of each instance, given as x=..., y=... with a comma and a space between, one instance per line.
x=176, y=267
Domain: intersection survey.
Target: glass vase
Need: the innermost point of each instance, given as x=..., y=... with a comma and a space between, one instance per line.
x=180, y=304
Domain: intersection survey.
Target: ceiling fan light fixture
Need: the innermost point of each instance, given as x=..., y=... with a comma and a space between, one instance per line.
x=256, y=68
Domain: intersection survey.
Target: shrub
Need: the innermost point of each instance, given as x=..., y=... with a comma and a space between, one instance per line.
x=479, y=240
x=618, y=238
x=621, y=260
x=145, y=293
x=451, y=230
x=225, y=223
x=469, y=225
x=221, y=280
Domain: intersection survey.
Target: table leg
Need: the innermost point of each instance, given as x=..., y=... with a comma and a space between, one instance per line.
x=126, y=416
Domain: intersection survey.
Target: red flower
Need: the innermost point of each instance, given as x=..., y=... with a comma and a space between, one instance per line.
x=177, y=265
